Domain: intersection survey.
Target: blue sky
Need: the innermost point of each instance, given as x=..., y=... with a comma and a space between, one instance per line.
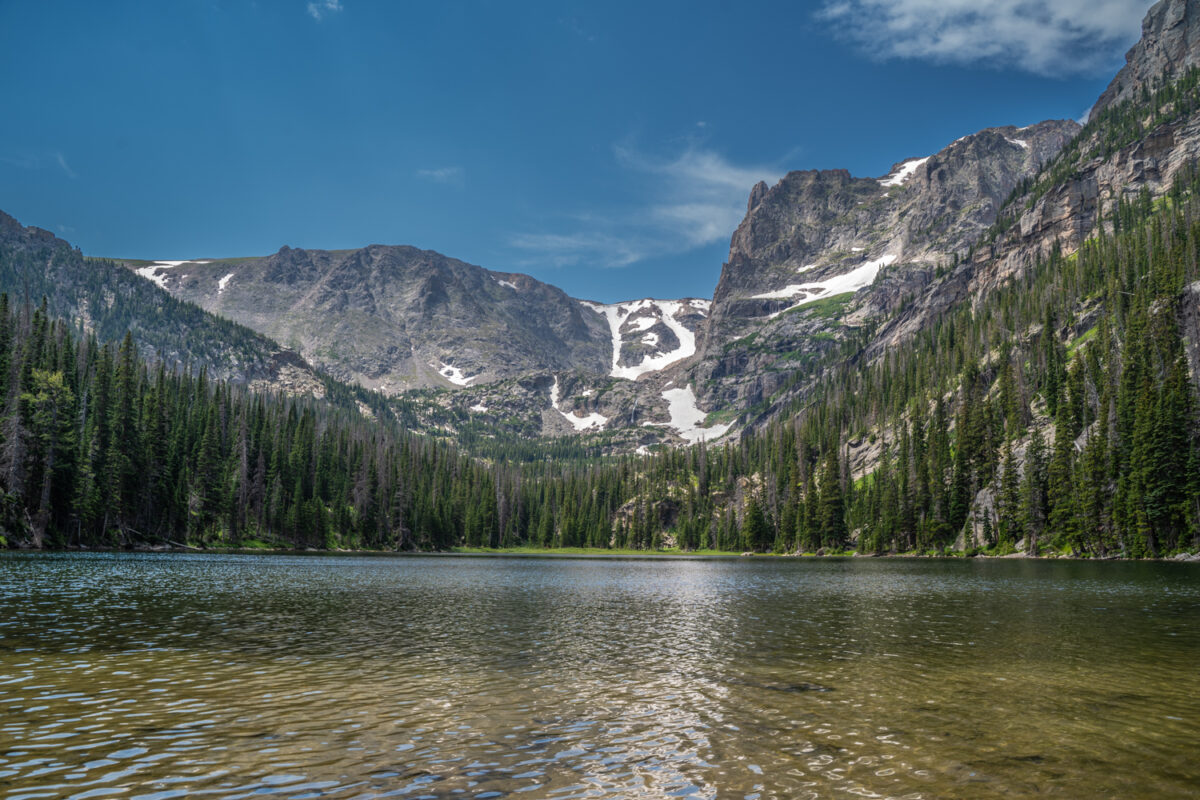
x=605, y=147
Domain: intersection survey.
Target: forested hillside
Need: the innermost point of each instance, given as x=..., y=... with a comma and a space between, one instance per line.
x=106, y=299
x=1059, y=411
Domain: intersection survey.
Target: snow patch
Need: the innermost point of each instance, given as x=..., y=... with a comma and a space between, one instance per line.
x=452, y=374
x=857, y=278
x=857, y=249
x=643, y=323
x=650, y=339
x=1024, y=145
x=905, y=172
x=152, y=272
x=667, y=310
x=593, y=420
x=687, y=418
x=479, y=409
x=221, y=284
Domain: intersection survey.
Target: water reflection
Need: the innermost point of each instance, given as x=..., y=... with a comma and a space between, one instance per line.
x=233, y=676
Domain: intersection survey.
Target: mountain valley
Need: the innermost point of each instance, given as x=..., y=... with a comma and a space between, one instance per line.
x=944, y=357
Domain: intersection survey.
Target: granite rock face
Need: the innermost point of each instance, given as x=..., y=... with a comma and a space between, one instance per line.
x=511, y=349
x=1063, y=216
x=1169, y=46
x=821, y=252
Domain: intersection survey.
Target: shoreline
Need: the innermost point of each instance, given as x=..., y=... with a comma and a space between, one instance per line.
x=596, y=552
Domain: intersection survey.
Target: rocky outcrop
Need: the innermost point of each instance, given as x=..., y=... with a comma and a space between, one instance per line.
x=1063, y=216
x=821, y=252
x=1189, y=325
x=1169, y=46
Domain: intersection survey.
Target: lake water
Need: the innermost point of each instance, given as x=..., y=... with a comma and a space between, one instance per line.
x=443, y=676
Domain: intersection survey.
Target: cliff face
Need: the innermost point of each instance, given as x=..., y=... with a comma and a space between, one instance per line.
x=1169, y=46
x=1065, y=212
x=821, y=252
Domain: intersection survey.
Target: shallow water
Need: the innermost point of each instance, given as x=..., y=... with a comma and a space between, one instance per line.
x=177, y=675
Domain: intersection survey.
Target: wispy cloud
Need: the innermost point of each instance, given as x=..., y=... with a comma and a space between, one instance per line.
x=694, y=198
x=40, y=160
x=1049, y=37
x=62, y=162
x=24, y=161
x=448, y=175
x=595, y=248
x=319, y=9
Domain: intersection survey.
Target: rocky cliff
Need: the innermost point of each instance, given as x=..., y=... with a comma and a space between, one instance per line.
x=821, y=253
x=1168, y=47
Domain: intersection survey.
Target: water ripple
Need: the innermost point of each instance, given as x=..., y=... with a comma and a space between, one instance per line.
x=239, y=676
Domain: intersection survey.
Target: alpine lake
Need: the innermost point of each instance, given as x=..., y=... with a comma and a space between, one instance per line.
x=173, y=675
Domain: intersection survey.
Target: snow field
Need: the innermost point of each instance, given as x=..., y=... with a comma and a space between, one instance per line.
x=905, y=172
x=593, y=420
x=620, y=314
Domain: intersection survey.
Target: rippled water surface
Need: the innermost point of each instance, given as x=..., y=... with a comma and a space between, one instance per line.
x=171, y=675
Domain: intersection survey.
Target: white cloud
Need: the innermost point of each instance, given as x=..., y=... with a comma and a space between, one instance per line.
x=318, y=9
x=453, y=175
x=1050, y=37
x=46, y=159
x=694, y=199
x=594, y=248
x=62, y=162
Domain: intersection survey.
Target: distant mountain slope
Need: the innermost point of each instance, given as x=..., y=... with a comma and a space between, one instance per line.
x=104, y=298
x=399, y=319
x=396, y=318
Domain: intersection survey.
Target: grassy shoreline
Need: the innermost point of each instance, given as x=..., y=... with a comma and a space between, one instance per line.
x=594, y=552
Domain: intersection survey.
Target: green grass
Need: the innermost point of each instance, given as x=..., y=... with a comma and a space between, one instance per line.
x=826, y=307
x=1080, y=341
x=531, y=550
x=255, y=544
x=721, y=415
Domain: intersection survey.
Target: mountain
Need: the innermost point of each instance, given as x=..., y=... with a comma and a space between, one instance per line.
x=399, y=319
x=825, y=269
x=1168, y=48
x=821, y=255
x=396, y=318
x=104, y=299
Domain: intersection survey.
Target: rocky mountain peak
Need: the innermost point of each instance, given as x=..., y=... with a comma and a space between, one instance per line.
x=817, y=233
x=1170, y=45
x=756, y=195
x=821, y=251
